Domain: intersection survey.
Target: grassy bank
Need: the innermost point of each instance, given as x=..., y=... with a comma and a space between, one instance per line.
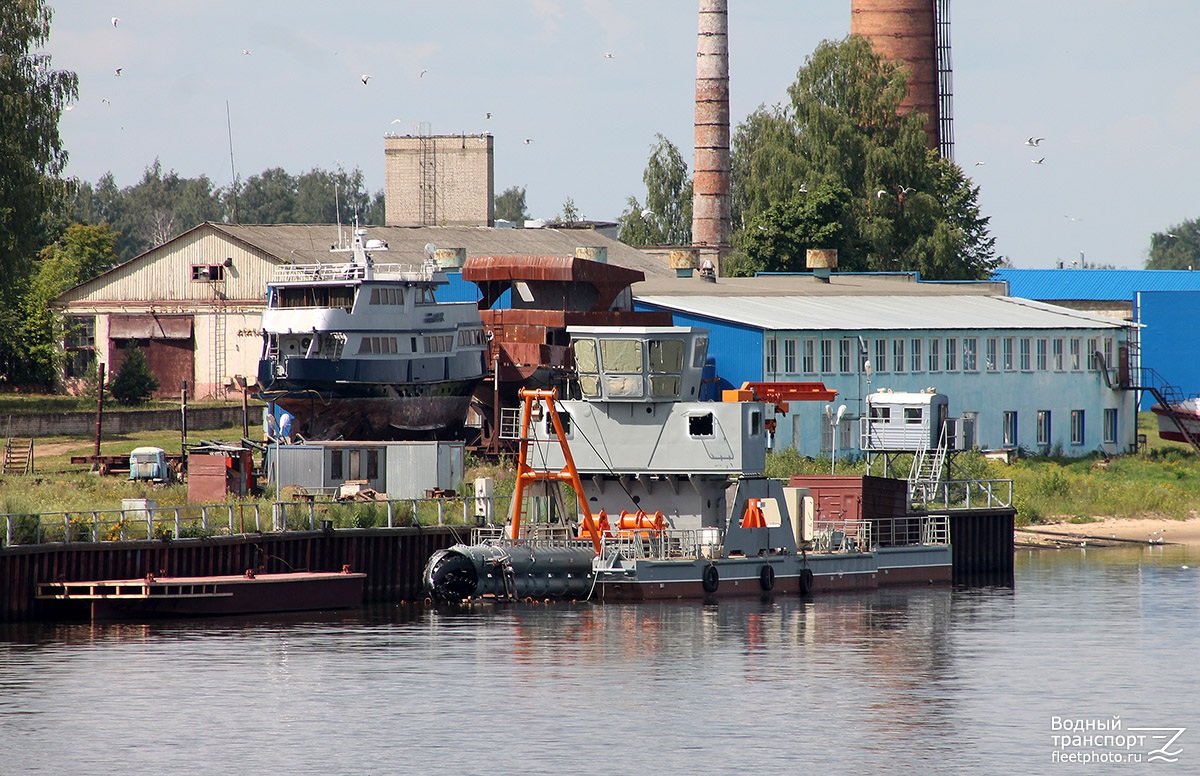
x=1162, y=481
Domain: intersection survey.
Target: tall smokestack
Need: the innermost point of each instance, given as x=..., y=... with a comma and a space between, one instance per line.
x=710, y=171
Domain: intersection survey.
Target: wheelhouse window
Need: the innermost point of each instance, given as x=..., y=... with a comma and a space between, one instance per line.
x=587, y=366
x=315, y=296
x=666, y=367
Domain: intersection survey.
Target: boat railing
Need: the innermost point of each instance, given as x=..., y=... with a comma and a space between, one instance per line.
x=967, y=494
x=911, y=530
x=353, y=271
x=833, y=536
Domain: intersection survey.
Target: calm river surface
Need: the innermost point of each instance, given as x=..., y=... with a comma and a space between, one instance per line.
x=897, y=681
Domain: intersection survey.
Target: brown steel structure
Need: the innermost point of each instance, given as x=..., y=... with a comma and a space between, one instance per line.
x=710, y=193
x=529, y=346
x=916, y=33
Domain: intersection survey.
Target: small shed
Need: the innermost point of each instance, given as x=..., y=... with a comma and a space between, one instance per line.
x=216, y=471
x=901, y=421
x=399, y=469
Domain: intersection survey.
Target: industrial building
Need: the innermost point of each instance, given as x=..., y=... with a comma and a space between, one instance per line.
x=193, y=305
x=1024, y=374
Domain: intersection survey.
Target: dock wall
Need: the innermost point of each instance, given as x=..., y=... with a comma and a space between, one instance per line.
x=392, y=558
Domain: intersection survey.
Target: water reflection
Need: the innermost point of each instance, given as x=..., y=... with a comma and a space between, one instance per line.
x=920, y=680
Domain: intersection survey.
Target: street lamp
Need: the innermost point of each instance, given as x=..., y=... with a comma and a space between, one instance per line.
x=835, y=421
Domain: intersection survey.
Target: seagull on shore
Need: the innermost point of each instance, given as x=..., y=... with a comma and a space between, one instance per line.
x=1034, y=141
x=1038, y=161
x=365, y=78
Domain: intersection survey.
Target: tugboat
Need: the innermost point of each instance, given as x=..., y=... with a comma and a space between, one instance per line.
x=363, y=350
x=672, y=501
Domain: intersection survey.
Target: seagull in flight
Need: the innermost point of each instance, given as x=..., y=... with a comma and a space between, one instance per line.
x=105, y=101
x=488, y=115
x=117, y=72
x=1038, y=161
x=880, y=194
x=907, y=189
x=68, y=107
x=528, y=140
x=608, y=55
x=365, y=78
x=115, y=19
x=246, y=52
x=980, y=164
x=423, y=72
x=397, y=121
x=647, y=214
x=1034, y=141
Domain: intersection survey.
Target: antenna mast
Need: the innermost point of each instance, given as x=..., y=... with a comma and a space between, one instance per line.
x=232, y=168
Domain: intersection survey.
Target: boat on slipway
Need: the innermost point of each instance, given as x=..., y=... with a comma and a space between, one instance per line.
x=671, y=497
x=1179, y=421
x=363, y=350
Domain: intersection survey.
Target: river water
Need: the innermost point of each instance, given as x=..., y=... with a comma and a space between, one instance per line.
x=990, y=680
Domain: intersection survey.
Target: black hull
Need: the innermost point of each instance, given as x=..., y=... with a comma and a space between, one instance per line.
x=374, y=412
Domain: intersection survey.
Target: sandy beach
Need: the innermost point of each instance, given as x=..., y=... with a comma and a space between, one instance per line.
x=1111, y=531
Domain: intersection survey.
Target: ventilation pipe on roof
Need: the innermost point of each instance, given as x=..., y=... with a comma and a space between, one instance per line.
x=822, y=261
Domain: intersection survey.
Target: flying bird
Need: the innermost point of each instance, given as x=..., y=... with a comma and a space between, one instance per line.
x=105, y=101
x=803, y=188
x=365, y=78
x=397, y=121
x=907, y=189
x=977, y=164
x=488, y=115
x=880, y=194
x=68, y=107
x=608, y=55
x=246, y=52
x=647, y=214
x=115, y=19
x=423, y=72
x=1034, y=141
x=117, y=72
x=528, y=140
x=1038, y=161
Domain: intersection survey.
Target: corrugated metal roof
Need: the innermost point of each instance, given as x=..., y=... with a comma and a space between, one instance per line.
x=804, y=284
x=310, y=243
x=1094, y=284
x=881, y=313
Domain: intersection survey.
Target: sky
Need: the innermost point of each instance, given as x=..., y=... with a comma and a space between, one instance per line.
x=209, y=87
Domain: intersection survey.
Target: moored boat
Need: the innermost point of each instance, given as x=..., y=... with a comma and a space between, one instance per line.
x=671, y=497
x=363, y=350
x=160, y=596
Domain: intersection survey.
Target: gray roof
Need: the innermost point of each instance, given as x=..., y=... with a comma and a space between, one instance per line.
x=310, y=243
x=871, y=313
x=804, y=284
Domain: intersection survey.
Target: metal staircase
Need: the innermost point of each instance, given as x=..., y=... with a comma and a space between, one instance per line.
x=1167, y=396
x=925, y=475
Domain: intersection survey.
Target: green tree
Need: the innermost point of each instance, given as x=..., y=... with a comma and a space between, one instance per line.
x=134, y=383
x=510, y=205
x=666, y=218
x=778, y=238
x=907, y=209
x=32, y=196
x=570, y=213
x=82, y=253
x=1176, y=248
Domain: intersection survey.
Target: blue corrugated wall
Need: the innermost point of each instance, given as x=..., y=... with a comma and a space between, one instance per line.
x=1170, y=341
x=737, y=349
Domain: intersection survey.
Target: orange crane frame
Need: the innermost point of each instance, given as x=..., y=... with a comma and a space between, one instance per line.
x=527, y=474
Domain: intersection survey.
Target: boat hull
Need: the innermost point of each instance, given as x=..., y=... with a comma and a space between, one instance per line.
x=366, y=411
x=1187, y=413
x=744, y=577
x=214, y=596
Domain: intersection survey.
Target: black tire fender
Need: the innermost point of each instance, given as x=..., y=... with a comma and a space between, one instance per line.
x=711, y=578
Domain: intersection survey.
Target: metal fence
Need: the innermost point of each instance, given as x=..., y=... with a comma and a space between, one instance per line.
x=198, y=521
x=967, y=494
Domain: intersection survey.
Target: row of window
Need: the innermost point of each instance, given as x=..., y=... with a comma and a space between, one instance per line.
x=849, y=355
x=1045, y=428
